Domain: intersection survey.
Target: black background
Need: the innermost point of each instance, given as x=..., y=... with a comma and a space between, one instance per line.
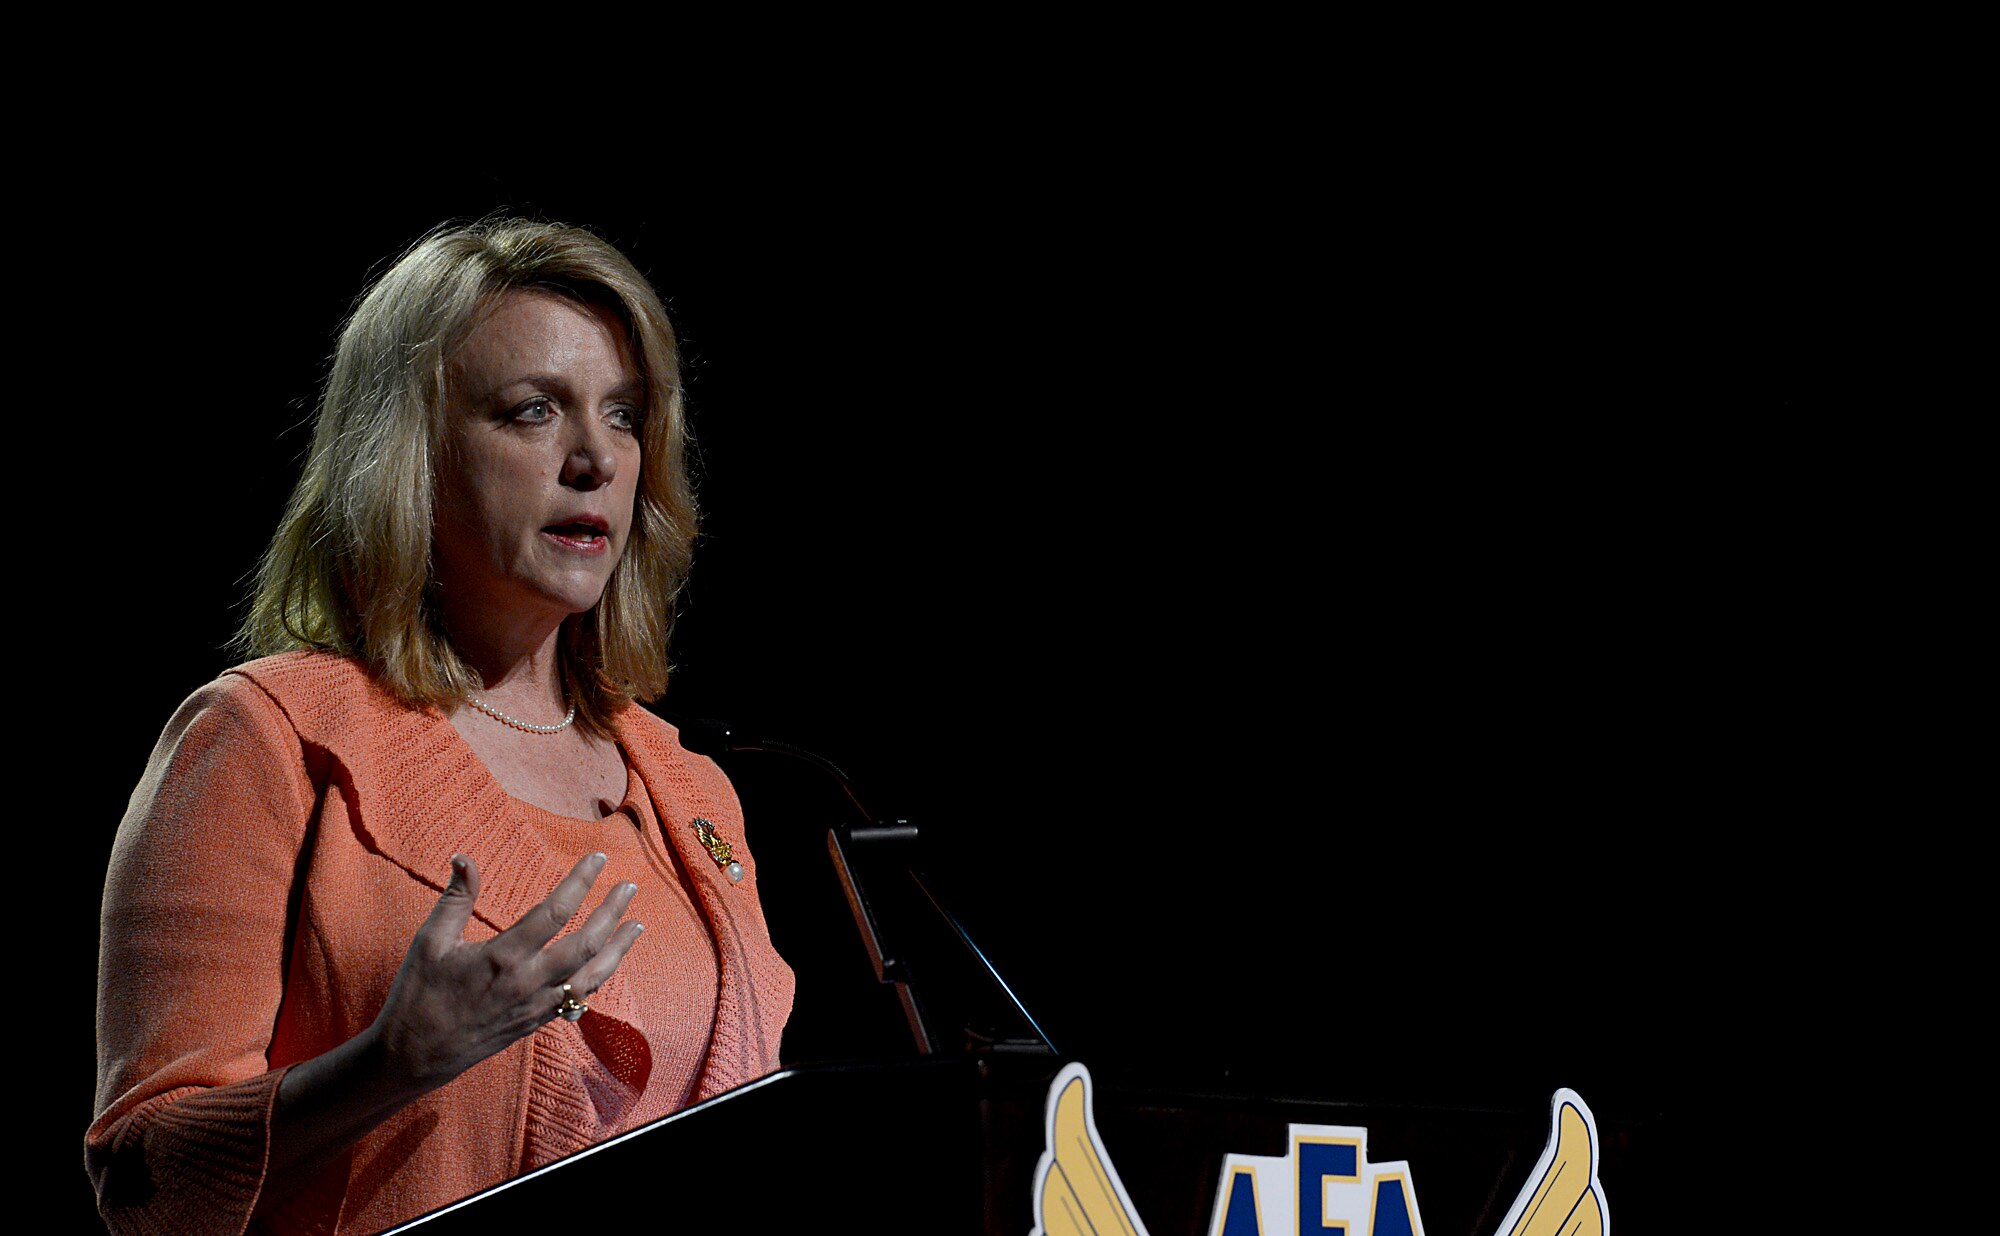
x=1300, y=590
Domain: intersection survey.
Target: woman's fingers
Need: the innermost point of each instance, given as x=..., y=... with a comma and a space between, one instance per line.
x=569, y=954
x=595, y=972
x=528, y=954
x=446, y=924
x=542, y=923
x=455, y=1002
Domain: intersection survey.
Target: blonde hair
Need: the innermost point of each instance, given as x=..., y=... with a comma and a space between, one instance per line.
x=349, y=569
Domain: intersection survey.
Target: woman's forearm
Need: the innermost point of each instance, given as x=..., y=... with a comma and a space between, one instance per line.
x=324, y=1106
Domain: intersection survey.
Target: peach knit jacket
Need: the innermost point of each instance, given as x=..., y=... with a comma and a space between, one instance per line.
x=294, y=826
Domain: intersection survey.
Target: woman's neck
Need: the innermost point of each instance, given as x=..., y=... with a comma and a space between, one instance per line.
x=518, y=665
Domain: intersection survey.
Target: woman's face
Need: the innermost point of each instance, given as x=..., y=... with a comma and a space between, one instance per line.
x=541, y=461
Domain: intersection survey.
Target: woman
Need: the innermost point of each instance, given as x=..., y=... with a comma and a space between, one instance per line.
x=346, y=974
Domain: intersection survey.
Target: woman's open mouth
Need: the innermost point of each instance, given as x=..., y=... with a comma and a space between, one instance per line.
x=582, y=538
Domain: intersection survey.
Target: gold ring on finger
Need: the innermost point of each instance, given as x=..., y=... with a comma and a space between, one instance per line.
x=571, y=1007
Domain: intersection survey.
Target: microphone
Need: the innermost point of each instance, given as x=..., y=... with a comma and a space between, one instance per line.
x=711, y=737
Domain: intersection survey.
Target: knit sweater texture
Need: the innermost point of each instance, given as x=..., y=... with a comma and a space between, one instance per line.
x=294, y=827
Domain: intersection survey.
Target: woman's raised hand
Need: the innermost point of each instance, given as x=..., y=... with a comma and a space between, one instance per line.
x=455, y=1002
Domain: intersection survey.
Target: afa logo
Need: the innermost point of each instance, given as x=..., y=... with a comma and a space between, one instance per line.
x=1323, y=1183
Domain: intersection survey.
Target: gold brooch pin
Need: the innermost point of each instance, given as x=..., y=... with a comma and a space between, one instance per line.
x=719, y=850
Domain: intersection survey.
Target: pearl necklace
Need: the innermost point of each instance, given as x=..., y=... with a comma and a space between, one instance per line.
x=529, y=726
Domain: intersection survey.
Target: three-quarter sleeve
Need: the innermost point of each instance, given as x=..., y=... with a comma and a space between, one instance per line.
x=192, y=967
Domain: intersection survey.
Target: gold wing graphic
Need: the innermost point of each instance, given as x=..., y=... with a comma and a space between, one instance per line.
x=1562, y=1196
x=1077, y=1190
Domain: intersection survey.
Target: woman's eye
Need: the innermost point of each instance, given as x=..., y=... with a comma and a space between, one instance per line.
x=534, y=412
x=623, y=418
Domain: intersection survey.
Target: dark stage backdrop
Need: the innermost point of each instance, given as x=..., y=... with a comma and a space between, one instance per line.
x=1287, y=615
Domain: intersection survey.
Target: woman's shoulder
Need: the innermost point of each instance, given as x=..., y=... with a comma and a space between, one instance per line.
x=230, y=731
x=303, y=673
x=316, y=681
x=262, y=696
x=320, y=695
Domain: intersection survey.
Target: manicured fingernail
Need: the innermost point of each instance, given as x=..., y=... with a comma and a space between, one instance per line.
x=598, y=858
x=639, y=929
x=458, y=864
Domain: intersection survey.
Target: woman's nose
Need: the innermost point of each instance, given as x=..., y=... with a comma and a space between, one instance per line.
x=591, y=461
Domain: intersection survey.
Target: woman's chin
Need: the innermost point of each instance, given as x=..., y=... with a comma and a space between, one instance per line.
x=520, y=609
